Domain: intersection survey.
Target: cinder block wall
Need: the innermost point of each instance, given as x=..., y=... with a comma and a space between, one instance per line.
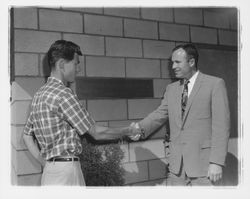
x=116, y=42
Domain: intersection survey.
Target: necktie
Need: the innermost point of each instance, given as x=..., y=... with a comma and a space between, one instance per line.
x=184, y=98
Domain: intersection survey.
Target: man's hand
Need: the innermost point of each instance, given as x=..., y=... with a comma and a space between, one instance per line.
x=136, y=130
x=33, y=147
x=214, y=172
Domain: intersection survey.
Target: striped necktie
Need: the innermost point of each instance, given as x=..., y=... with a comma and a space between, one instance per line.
x=184, y=98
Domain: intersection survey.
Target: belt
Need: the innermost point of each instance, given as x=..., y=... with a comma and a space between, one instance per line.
x=63, y=159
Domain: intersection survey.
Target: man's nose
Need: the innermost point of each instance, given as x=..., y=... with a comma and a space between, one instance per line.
x=78, y=68
x=173, y=65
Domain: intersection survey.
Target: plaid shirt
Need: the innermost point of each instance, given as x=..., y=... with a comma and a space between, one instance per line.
x=56, y=119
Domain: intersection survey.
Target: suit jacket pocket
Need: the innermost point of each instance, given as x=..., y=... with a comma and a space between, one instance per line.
x=203, y=113
x=206, y=144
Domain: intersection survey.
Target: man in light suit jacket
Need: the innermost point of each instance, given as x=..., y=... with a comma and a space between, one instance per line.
x=199, y=138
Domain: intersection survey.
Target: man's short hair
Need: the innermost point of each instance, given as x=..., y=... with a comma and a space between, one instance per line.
x=190, y=50
x=62, y=49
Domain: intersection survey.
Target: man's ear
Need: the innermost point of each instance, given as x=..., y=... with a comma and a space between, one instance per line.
x=192, y=62
x=60, y=64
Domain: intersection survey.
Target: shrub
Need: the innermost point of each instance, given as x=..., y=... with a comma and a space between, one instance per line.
x=101, y=164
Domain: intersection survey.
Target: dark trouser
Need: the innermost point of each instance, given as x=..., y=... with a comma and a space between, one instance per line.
x=181, y=179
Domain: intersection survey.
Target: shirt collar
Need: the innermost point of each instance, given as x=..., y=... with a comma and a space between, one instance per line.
x=193, y=78
x=54, y=79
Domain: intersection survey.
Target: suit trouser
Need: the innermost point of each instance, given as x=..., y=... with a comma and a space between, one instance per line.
x=181, y=179
x=62, y=173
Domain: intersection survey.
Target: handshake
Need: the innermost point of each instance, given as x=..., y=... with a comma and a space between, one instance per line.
x=136, y=131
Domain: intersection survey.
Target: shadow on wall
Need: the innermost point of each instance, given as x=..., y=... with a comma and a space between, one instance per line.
x=159, y=171
x=170, y=70
x=146, y=173
x=45, y=67
x=231, y=171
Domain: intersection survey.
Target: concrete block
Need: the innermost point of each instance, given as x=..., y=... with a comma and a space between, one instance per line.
x=157, y=168
x=123, y=12
x=34, y=41
x=102, y=124
x=29, y=180
x=147, y=150
x=25, y=163
x=204, y=35
x=96, y=10
x=121, y=123
x=81, y=72
x=17, y=137
x=20, y=111
x=26, y=64
x=234, y=21
x=123, y=47
x=140, y=108
x=188, y=16
x=44, y=66
x=25, y=17
x=166, y=69
x=174, y=32
x=124, y=148
x=105, y=67
x=18, y=93
x=216, y=19
x=140, y=29
x=158, y=14
x=160, y=87
x=143, y=68
x=228, y=38
x=60, y=21
x=157, y=49
x=90, y=45
x=103, y=25
x=29, y=85
x=135, y=172
x=103, y=110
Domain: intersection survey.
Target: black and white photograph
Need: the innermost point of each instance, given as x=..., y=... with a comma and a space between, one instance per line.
x=136, y=97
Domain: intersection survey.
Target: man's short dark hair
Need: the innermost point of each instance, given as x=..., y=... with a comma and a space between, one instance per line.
x=62, y=49
x=190, y=50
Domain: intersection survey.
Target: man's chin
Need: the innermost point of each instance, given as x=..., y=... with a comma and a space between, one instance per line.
x=71, y=81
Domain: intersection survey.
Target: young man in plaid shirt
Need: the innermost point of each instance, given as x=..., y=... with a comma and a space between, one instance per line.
x=57, y=119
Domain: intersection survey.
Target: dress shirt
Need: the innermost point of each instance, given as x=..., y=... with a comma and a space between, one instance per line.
x=191, y=82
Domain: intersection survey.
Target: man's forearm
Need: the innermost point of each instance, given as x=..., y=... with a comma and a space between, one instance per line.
x=33, y=148
x=101, y=132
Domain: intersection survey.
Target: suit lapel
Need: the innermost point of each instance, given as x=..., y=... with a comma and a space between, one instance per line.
x=194, y=91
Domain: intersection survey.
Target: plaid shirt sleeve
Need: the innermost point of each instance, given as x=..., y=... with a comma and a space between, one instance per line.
x=75, y=114
x=28, y=129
